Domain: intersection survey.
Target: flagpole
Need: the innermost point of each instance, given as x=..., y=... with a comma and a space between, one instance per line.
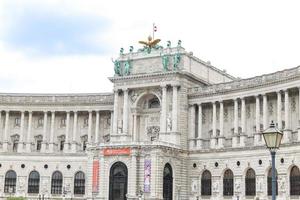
x=153, y=31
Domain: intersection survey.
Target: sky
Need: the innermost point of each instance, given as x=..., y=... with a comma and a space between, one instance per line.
x=66, y=46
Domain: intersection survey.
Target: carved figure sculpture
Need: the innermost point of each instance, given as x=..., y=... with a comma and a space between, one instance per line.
x=127, y=68
x=176, y=61
x=169, y=123
x=165, y=62
x=168, y=44
x=131, y=49
x=117, y=67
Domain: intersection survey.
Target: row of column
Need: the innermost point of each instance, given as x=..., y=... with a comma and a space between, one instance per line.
x=68, y=137
x=164, y=102
x=163, y=127
x=265, y=119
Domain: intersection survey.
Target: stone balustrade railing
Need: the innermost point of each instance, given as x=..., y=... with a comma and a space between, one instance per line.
x=241, y=84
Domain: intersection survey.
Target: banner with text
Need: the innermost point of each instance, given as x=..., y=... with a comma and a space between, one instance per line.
x=95, y=184
x=147, y=175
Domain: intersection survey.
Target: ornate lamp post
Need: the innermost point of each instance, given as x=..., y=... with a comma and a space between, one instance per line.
x=273, y=137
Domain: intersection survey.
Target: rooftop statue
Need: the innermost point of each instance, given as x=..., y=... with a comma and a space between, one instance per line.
x=150, y=44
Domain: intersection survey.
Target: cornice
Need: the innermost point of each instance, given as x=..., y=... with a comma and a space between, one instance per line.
x=246, y=84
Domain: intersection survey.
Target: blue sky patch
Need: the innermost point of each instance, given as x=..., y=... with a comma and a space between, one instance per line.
x=46, y=31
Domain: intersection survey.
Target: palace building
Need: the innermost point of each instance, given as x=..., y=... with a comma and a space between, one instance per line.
x=174, y=128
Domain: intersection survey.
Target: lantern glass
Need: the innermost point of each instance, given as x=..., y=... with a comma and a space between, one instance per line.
x=272, y=137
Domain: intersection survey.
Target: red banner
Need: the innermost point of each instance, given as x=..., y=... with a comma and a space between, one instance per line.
x=113, y=152
x=95, y=184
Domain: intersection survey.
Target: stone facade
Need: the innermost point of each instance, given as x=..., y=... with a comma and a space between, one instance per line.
x=169, y=109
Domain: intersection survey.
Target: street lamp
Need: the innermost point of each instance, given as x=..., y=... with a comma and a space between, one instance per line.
x=273, y=136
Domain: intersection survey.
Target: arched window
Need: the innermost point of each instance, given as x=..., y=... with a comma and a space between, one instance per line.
x=33, y=182
x=154, y=103
x=56, y=183
x=79, y=183
x=118, y=181
x=168, y=182
x=10, y=182
x=270, y=182
x=295, y=181
x=206, y=183
x=250, y=183
x=228, y=183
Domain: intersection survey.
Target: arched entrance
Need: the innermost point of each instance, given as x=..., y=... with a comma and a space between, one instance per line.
x=168, y=182
x=118, y=181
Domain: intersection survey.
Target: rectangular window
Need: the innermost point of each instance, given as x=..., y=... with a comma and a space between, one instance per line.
x=17, y=122
x=86, y=122
x=15, y=146
x=40, y=122
x=63, y=122
x=61, y=146
x=38, y=145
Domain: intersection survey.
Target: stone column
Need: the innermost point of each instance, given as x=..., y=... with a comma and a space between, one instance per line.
x=192, y=126
x=199, y=141
x=236, y=125
x=74, y=143
x=97, y=127
x=287, y=129
x=164, y=109
x=221, y=139
x=43, y=148
x=102, y=182
x=134, y=134
x=28, y=140
x=90, y=127
x=21, y=147
x=298, y=113
x=115, y=123
x=279, y=106
x=51, y=144
x=6, y=129
x=111, y=122
x=125, y=112
x=257, y=121
x=243, y=122
x=174, y=108
x=214, y=126
x=67, y=144
x=154, y=178
x=265, y=112
x=133, y=178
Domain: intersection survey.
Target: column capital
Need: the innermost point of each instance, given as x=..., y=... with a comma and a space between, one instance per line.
x=199, y=104
x=126, y=89
x=286, y=90
x=52, y=111
x=45, y=111
x=175, y=85
x=278, y=91
x=90, y=111
x=30, y=111
x=68, y=111
x=163, y=85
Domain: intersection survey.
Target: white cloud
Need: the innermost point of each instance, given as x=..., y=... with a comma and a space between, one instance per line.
x=246, y=38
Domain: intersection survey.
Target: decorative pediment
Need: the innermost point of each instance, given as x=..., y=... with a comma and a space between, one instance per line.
x=15, y=137
x=38, y=137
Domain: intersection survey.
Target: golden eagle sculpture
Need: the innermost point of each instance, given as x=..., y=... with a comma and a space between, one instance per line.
x=150, y=43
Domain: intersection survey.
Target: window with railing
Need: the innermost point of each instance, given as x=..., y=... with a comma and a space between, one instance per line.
x=206, y=183
x=250, y=183
x=228, y=183
x=10, y=182
x=56, y=183
x=79, y=183
x=295, y=181
x=34, y=182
